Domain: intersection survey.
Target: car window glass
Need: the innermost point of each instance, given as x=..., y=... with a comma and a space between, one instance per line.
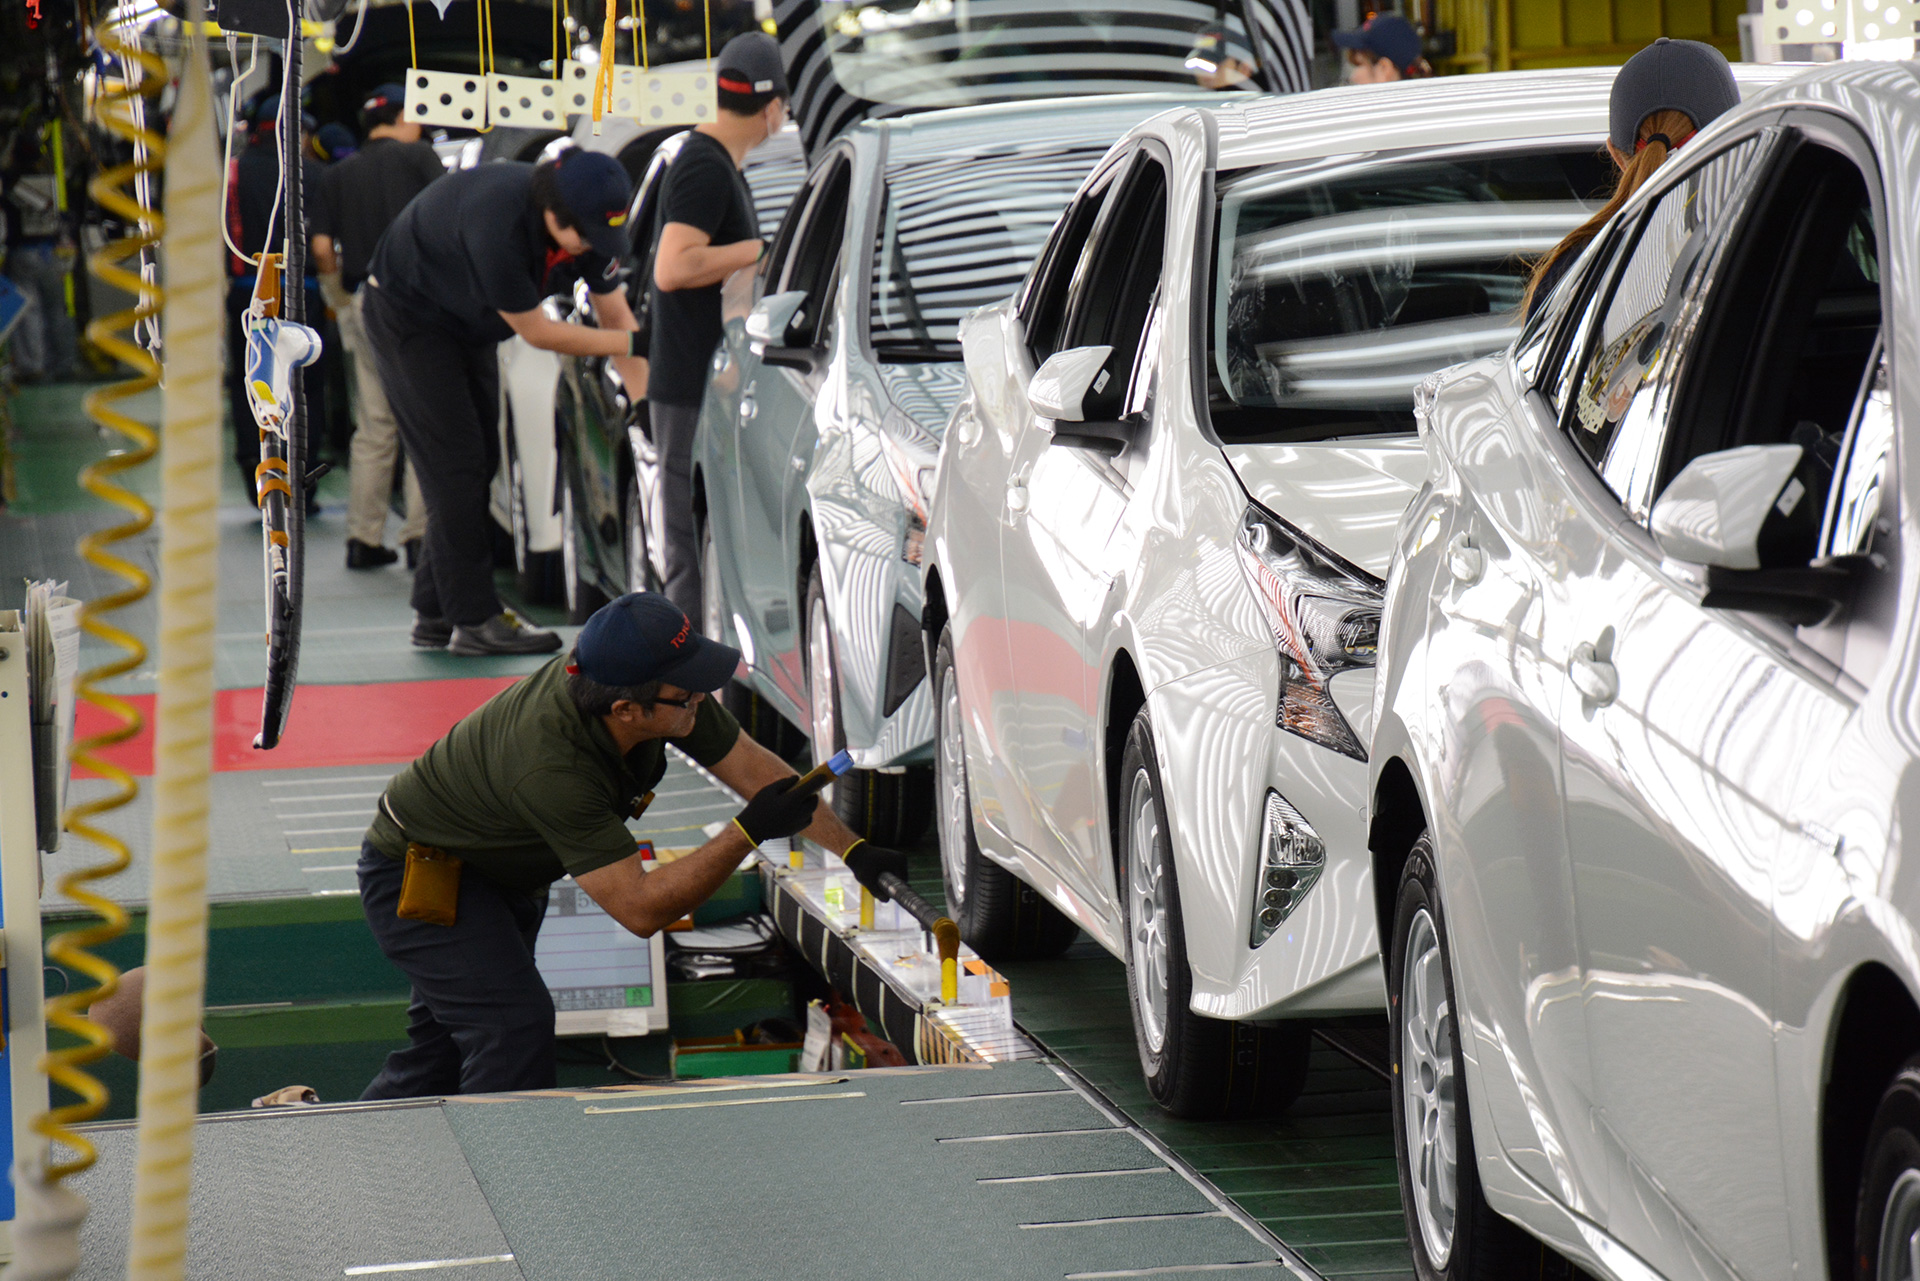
x=1854, y=522
x=1625, y=374
x=1785, y=346
x=1118, y=284
x=1047, y=296
x=814, y=269
x=958, y=232
x=1336, y=289
x=773, y=267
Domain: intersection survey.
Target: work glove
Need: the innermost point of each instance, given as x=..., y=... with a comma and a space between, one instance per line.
x=869, y=862
x=773, y=814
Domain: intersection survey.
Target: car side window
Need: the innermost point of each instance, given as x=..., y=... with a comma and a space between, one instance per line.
x=1860, y=524
x=773, y=267
x=1115, y=292
x=1048, y=296
x=1636, y=344
x=814, y=262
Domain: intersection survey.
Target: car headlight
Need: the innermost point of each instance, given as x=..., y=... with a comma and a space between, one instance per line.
x=1292, y=856
x=1325, y=616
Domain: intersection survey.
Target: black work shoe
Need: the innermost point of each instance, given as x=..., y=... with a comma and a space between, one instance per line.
x=369, y=555
x=413, y=553
x=504, y=633
x=431, y=633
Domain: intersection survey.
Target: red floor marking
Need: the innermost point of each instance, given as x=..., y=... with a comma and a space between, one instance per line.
x=381, y=724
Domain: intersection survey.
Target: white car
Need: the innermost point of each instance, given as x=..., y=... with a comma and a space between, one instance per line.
x=1646, y=733
x=1159, y=526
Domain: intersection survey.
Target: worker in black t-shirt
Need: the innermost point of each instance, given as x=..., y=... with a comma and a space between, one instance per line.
x=462, y=268
x=364, y=194
x=253, y=187
x=708, y=231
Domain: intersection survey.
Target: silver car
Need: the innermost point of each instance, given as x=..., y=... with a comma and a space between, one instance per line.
x=824, y=413
x=1646, y=732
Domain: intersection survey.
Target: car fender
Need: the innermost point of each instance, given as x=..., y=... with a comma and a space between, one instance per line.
x=529, y=378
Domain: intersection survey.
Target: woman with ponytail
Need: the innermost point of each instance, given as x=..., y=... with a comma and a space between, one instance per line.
x=1665, y=94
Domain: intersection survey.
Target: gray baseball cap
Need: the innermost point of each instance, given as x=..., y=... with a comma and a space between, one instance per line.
x=750, y=64
x=1670, y=75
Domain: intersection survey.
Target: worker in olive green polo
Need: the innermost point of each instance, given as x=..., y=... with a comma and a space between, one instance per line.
x=538, y=784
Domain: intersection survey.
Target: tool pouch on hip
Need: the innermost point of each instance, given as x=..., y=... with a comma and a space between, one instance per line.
x=430, y=887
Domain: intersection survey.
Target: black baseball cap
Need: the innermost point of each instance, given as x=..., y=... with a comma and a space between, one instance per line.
x=1384, y=35
x=644, y=637
x=596, y=190
x=1669, y=75
x=750, y=66
x=1214, y=43
x=386, y=95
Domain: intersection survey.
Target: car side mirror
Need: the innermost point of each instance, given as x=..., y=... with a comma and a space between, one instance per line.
x=1713, y=515
x=770, y=331
x=1059, y=391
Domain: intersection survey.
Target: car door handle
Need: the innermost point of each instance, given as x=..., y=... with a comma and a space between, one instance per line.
x=1016, y=498
x=1465, y=561
x=1597, y=679
x=748, y=409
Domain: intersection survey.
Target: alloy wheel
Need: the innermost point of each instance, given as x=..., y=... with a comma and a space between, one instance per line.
x=1899, y=1256
x=951, y=781
x=1428, y=1091
x=821, y=688
x=1147, y=916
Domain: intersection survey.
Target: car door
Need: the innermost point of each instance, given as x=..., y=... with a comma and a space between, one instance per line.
x=774, y=429
x=1686, y=729
x=991, y=428
x=1063, y=504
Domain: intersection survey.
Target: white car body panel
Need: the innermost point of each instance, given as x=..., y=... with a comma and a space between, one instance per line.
x=1651, y=942
x=528, y=378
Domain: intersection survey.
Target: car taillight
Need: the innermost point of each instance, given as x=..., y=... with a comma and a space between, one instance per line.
x=1325, y=617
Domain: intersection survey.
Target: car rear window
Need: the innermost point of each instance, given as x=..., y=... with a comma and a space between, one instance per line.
x=959, y=232
x=1338, y=288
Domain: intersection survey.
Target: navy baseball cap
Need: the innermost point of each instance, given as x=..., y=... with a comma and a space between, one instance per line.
x=1384, y=35
x=1669, y=75
x=644, y=637
x=750, y=66
x=596, y=190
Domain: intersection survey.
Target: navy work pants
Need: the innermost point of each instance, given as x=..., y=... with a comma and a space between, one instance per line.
x=481, y=1019
x=674, y=427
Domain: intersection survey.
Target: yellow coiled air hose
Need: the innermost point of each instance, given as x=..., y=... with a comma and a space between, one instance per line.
x=143, y=74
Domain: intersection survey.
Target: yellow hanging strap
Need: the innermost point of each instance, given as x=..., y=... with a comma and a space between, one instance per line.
x=483, y=32
x=645, y=60
x=603, y=77
x=556, y=39
x=413, y=45
x=143, y=74
x=706, y=10
x=633, y=15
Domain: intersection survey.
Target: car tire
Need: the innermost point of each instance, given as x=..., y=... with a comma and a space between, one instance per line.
x=1432, y=1132
x=999, y=915
x=1887, y=1212
x=756, y=715
x=1195, y=1067
x=583, y=595
x=887, y=809
x=539, y=576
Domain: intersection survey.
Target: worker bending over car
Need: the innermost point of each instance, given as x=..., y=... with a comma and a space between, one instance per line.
x=538, y=784
x=464, y=267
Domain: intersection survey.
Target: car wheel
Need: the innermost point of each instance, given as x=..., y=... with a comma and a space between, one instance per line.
x=1456, y=1235
x=538, y=575
x=887, y=809
x=1887, y=1215
x=1195, y=1066
x=756, y=715
x=583, y=596
x=1000, y=916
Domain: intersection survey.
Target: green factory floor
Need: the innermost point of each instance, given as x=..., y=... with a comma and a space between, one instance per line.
x=297, y=993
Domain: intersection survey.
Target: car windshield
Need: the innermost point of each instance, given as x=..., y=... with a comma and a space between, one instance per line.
x=951, y=53
x=1338, y=289
x=960, y=232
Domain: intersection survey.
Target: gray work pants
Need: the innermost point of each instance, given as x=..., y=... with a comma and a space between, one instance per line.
x=376, y=443
x=673, y=431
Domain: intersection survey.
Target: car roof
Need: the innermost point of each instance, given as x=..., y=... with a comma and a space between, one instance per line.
x=1433, y=112
x=1089, y=121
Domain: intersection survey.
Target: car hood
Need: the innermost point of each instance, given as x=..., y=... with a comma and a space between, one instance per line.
x=1345, y=495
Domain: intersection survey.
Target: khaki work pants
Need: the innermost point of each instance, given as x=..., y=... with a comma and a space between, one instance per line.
x=376, y=443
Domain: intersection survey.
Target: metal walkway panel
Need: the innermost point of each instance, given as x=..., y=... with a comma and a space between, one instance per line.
x=297, y=1195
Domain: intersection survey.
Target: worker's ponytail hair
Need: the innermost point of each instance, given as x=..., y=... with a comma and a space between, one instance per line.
x=1659, y=135
x=546, y=193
